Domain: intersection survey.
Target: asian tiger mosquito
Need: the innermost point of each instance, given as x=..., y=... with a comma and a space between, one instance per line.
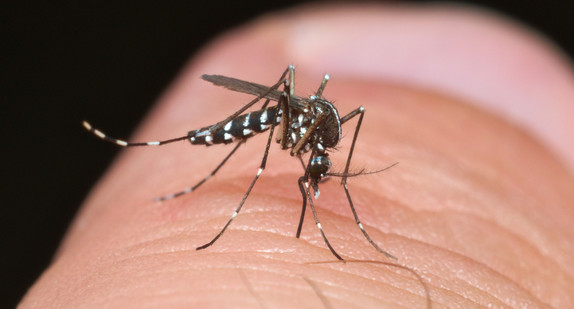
x=304, y=125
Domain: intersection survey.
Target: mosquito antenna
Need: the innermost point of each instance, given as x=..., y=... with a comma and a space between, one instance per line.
x=360, y=173
x=123, y=143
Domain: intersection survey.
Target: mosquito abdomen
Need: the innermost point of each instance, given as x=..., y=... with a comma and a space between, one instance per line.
x=241, y=127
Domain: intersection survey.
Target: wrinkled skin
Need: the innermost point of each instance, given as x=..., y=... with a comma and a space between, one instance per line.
x=480, y=208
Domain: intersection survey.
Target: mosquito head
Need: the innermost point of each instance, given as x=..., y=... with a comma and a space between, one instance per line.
x=320, y=166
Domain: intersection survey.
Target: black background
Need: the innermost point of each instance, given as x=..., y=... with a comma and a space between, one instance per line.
x=64, y=61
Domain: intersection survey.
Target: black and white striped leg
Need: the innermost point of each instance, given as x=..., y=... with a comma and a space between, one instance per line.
x=359, y=111
x=304, y=187
x=192, y=188
x=288, y=90
x=123, y=143
x=261, y=168
x=304, y=207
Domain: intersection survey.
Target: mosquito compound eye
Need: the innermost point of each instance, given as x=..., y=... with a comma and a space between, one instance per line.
x=320, y=166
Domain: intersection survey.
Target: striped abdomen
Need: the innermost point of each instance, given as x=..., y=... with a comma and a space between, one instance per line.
x=241, y=127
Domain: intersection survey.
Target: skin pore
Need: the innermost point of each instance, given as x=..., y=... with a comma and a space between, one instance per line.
x=477, y=206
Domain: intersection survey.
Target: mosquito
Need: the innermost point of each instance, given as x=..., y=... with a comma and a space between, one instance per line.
x=305, y=125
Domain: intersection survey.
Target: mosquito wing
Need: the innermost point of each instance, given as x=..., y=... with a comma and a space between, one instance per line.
x=250, y=88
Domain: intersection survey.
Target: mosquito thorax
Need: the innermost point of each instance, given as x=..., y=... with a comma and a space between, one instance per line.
x=330, y=130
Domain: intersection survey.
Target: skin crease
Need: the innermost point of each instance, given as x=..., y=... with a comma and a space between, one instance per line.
x=476, y=206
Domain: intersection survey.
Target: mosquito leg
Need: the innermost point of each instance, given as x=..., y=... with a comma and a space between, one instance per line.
x=291, y=80
x=190, y=189
x=289, y=89
x=303, y=208
x=302, y=163
x=295, y=150
x=361, y=225
x=123, y=143
x=310, y=130
x=264, y=106
x=304, y=187
x=261, y=168
x=359, y=111
x=319, y=92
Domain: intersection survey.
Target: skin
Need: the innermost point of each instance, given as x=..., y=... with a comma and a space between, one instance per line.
x=480, y=204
